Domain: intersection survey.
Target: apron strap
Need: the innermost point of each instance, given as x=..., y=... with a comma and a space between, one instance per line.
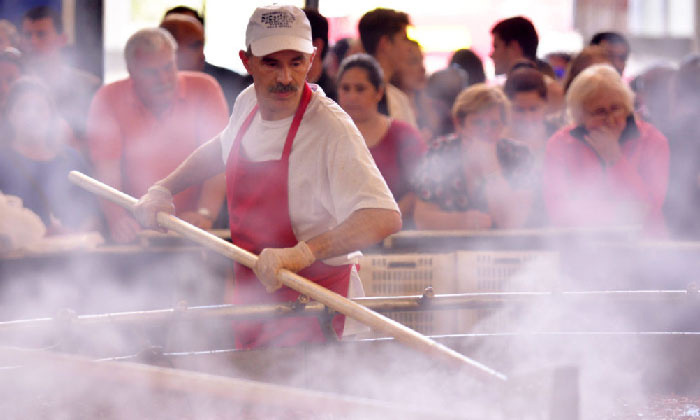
x=296, y=122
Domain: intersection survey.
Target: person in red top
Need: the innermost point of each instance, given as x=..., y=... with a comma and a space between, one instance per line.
x=140, y=128
x=610, y=168
x=396, y=146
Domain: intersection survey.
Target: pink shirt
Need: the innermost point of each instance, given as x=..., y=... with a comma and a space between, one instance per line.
x=580, y=190
x=149, y=147
x=398, y=155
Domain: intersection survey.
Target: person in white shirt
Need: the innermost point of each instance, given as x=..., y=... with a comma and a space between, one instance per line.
x=302, y=188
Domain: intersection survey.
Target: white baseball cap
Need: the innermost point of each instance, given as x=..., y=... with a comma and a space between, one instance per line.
x=276, y=28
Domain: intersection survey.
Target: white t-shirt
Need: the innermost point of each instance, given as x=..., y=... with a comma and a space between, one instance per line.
x=331, y=171
x=399, y=105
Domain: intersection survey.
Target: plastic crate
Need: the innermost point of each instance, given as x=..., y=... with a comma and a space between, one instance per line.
x=501, y=271
x=407, y=274
x=506, y=271
x=410, y=274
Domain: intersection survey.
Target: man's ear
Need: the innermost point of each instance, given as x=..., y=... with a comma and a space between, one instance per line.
x=384, y=43
x=513, y=45
x=245, y=60
x=320, y=45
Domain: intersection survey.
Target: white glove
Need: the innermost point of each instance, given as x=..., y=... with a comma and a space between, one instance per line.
x=157, y=199
x=271, y=260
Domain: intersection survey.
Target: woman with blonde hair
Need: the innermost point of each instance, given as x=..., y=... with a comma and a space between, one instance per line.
x=474, y=178
x=609, y=168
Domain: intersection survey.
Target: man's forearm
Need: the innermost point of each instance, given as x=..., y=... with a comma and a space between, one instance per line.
x=364, y=227
x=202, y=164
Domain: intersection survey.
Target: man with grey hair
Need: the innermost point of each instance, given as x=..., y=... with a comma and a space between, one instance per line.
x=302, y=188
x=140, y=128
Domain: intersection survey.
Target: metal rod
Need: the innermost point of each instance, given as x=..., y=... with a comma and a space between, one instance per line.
x=546, y=232
x=319, y=293
x=379, y=304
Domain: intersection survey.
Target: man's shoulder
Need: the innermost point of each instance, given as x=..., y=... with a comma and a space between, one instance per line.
x=196, y=79
x=245, y=101
x=395, y=93
x=201, y=88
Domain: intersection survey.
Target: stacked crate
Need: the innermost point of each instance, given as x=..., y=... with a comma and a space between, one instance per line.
x=411, y=274
x=501, y=271
x=458, y=272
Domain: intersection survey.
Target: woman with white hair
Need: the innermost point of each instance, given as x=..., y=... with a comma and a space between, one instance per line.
x=610, y=168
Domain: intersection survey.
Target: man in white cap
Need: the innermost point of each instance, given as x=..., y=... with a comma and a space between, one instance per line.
x=302, y=188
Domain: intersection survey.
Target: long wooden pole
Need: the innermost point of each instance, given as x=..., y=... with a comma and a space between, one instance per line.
x=106, y=374
x=333, y=300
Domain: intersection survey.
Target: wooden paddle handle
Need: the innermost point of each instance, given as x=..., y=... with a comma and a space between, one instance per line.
x=59, y=369
x=331, y=299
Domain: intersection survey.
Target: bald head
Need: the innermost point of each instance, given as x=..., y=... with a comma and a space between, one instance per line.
x=189, y=34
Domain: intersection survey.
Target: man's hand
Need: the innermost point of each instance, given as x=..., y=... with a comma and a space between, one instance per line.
x=606, y=143
x=271, y=260
x=157, y=199
x=124, y=230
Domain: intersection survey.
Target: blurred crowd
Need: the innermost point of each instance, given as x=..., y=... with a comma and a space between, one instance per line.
x=558, y=141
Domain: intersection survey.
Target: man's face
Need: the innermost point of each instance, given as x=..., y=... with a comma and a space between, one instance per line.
x=155, y=77
x=502, y=55
x=189, y=34
x=413, y=73
x=40, y=39
x=400, y=49
x=278, y=78
x=617, y=52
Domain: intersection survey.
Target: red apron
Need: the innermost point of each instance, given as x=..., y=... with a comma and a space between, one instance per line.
x=258, y=206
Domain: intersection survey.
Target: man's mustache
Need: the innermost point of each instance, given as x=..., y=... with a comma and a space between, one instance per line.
x=282, y=88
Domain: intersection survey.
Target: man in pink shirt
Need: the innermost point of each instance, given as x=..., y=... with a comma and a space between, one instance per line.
x=141, y=128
